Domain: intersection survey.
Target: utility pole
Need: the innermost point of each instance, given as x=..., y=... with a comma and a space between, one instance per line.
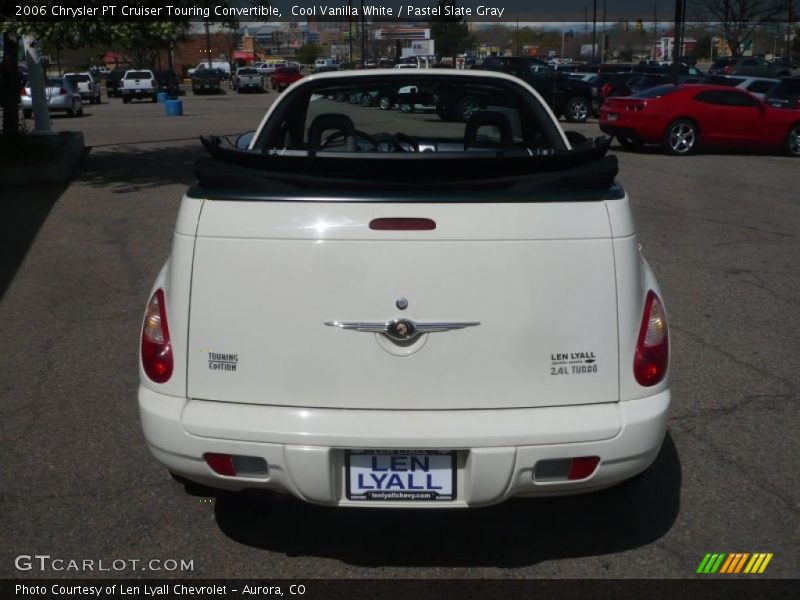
x=208, y=43
x=655, y=31
x=350, y=29
x=676, y=47
x=594, y=31
x=605, y=37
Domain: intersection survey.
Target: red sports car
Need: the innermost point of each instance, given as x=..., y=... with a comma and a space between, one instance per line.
x=683, y=118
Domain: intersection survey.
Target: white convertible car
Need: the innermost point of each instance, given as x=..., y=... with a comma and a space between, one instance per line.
x=371, y=308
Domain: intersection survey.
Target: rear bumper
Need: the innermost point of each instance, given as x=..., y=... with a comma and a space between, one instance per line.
x=497, y=449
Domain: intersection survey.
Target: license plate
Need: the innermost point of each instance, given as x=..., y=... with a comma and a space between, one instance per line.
x=401, y=475
x=612, y=117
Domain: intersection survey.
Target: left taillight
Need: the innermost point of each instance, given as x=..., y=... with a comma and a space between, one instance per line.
x=652, y=348
x=156, y=348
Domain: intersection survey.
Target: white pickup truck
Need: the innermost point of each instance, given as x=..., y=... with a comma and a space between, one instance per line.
x=368, y=308
x=138, y=84
x=88, y=88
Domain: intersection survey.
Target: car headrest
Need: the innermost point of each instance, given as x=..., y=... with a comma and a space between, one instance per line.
x=481, y=118
x=325, y=121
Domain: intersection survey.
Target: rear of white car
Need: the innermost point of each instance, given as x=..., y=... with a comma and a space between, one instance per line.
x=138, y=84
x=86, y=85
x=385, y=349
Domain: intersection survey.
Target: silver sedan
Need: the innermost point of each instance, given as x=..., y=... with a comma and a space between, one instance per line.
x=62, y=96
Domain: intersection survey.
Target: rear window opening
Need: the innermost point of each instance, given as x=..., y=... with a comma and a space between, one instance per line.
x=415, y=131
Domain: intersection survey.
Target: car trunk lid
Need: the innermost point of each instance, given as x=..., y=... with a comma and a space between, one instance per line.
x=270, y=279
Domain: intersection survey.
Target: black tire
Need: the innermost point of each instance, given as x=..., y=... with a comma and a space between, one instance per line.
x=365, y=100
x=72, y=112
x=577, y=110
x=125, y=100
x=27, y=114
x=681, y=137
x=466, y=106
x=154, y=99
x=385, y=103
x=793, y=141
x=630, y=143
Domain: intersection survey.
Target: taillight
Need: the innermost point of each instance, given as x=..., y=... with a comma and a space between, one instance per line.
x=156, y=346
x=23, y=92
x=652, y=349
x=152, y=83
x=727, y=70
x=606, y=90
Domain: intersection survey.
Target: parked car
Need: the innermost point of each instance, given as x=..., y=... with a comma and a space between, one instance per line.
x=248, y=79
x=138, y=84
x=167, y=81
x=62, y=96
x=567, y=96
x=223, y=65
x=785, y=94
x=758, y=86
x=113, y=80
x=87, y=87
x=748, y=65
x=362, y=317
x=722, y=66
x=283, y=77
x=206, y=81
x=684, y=118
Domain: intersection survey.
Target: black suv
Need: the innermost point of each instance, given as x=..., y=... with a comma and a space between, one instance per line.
x=567, y=96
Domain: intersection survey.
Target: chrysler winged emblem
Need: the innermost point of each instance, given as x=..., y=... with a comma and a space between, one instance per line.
x=402, y=330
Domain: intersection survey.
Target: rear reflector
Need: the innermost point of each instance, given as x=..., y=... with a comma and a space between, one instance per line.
x=565, y=469
x=583, y=467
x=233, y=465
x=402, y=224
x=221, y=464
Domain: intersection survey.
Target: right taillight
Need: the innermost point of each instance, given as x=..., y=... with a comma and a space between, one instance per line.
x=652, y=348
x=606, y=90
x=156, y=346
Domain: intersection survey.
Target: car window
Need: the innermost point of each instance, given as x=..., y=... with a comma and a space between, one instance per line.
x=138, y=75
x=761, y=87
x=721, y=80
x=741, y=100
x=77, y=78
x=247, y=72
x=656, y=92
x=788, y=88
x=427, y=113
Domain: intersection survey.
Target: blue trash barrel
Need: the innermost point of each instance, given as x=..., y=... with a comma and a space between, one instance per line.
x=162, y=97
x=174, y=108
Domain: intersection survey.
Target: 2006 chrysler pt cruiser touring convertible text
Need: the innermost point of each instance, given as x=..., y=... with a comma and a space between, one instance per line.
x=431, y=308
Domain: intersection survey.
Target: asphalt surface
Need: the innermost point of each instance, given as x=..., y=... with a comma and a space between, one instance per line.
x=77, y=482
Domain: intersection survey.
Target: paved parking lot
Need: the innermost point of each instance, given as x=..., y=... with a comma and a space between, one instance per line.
x=720, y=230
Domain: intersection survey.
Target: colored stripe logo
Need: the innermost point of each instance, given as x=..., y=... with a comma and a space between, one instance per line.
x=734, y=563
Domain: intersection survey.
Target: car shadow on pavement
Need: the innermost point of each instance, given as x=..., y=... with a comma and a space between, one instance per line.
x=128, y=168
x=23, y=210
x=517, y=533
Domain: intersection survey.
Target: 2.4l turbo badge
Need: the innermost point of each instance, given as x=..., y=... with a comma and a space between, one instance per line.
x=573, y=363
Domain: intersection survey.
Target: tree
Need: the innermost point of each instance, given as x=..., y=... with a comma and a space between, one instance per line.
x=306, y=55
x=450, y=33
x=738, y=20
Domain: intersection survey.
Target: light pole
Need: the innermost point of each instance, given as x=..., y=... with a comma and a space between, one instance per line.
x=594, y=30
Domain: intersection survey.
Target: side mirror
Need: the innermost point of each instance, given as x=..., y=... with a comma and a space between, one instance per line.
x=243, y=141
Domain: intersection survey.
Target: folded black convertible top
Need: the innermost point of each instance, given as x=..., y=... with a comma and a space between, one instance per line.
x=230, y=172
